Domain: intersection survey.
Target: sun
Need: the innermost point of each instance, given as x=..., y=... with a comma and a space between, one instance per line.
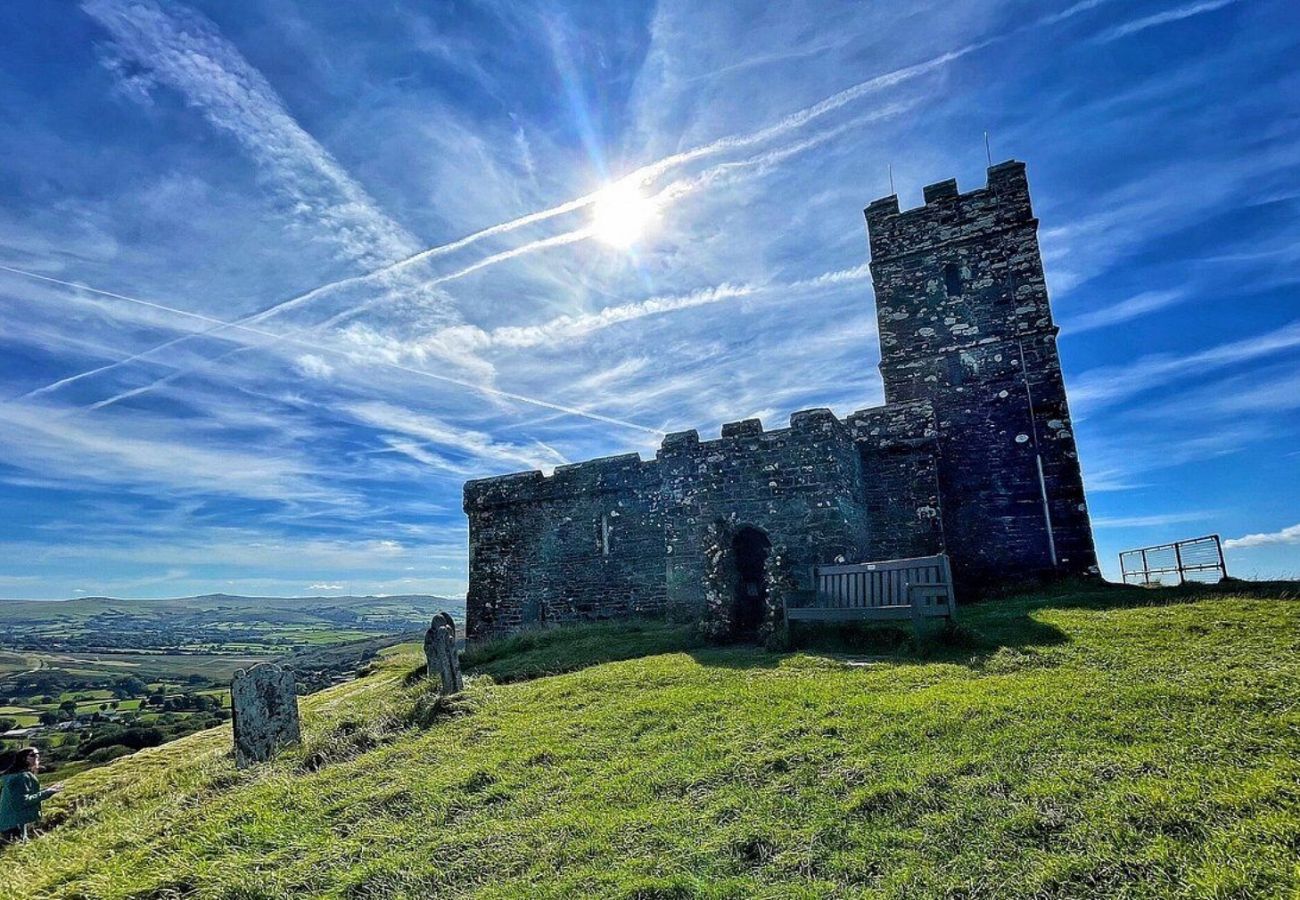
x=621, y=214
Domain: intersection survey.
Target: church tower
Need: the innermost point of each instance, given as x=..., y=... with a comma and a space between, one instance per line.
x=965, y=323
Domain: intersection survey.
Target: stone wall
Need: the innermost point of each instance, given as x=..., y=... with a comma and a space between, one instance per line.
x=621, y=536
x=898, y=449
x=801, y=486
x=585, y=543
x=965, y=323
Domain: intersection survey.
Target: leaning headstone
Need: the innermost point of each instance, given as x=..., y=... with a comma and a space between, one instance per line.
x=440, y=653
x=264, y=712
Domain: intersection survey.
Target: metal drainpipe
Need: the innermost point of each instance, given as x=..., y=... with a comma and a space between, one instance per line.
x=1038, y=456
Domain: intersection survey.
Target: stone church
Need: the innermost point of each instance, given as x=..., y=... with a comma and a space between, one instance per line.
x=973, y=454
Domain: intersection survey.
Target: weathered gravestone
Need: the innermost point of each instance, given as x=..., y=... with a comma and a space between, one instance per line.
x=440, y=653
x=264, y=712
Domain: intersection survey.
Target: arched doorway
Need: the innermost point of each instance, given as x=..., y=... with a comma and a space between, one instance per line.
x=750, y=548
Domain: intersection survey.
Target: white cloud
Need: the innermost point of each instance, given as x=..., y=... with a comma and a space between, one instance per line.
x=462, y=451
x=314, y=366
x=1288, y=535
x=178, y=47
x=324, y=586
x=161, y=454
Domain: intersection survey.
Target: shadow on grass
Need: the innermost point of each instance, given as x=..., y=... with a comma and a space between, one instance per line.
x=980, y=631
x=554, y=650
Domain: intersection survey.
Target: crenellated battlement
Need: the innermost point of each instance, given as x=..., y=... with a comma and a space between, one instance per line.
x=949, y=215
x=604, y=474
x=806, y=423
x=743, y=428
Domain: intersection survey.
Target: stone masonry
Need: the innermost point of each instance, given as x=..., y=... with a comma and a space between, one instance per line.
x=973, y=454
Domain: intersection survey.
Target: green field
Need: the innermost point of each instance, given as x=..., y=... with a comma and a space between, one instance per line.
x=150, y=666
x=1085, y=743
x=14, y=662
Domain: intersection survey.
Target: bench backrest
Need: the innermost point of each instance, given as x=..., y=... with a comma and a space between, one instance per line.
x=873, y=584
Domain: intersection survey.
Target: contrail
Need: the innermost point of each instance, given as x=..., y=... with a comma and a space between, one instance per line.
x=669, y=193
x=650, y=171
x=53, y=386
x=245, y=323
x=638, y=176
x=653, y=170
x=159, y=382
x=356, y=357
x=559, y=240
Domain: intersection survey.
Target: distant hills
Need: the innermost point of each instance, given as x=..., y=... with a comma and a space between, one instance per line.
x=400, y=612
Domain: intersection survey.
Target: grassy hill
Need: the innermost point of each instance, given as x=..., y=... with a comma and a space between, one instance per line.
x=1088, y=742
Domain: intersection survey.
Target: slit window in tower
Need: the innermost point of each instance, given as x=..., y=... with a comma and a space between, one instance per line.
x=952, y=279
x=603, y=535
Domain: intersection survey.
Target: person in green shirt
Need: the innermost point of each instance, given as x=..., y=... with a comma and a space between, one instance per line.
x=21, y=795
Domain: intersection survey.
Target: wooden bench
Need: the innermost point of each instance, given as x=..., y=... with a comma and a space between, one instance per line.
x=914, y=589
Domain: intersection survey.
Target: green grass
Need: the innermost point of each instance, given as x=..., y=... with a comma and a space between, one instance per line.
x=1084, y=743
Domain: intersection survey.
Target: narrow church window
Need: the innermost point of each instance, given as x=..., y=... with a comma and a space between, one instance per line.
x=952, y=279
x=604, y=534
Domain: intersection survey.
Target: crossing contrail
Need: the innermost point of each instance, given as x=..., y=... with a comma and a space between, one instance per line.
x=356, y=357
x=646, y=173
x=640, y=176
x=671, y=192
x=651, y=171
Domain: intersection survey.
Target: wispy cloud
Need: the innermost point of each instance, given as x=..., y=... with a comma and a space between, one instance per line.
x=174, y=46
x=1177, y=14
x=1108, y=385
x=1131, y=308
x=342, y=351
x=462, y=451
x=366, y=401
x=154, y=454
x=184, y=50
x=1154, y=520
x=567, y=328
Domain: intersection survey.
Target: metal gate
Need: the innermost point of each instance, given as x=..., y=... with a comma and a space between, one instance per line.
x=1196, y=559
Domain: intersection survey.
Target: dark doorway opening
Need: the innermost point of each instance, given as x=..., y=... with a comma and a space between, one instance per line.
x=750, y=548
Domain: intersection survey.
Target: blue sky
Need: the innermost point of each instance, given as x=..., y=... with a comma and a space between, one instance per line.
x=213, y=376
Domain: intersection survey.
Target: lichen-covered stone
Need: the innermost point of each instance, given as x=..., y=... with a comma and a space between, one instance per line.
x=969, y=364
x=264, y=712
x=968, y=267
x=440, y=654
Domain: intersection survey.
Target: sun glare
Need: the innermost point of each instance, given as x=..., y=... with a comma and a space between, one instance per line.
x=621, y=214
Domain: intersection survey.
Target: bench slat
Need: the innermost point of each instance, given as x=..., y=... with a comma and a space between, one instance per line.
x=879, y=590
